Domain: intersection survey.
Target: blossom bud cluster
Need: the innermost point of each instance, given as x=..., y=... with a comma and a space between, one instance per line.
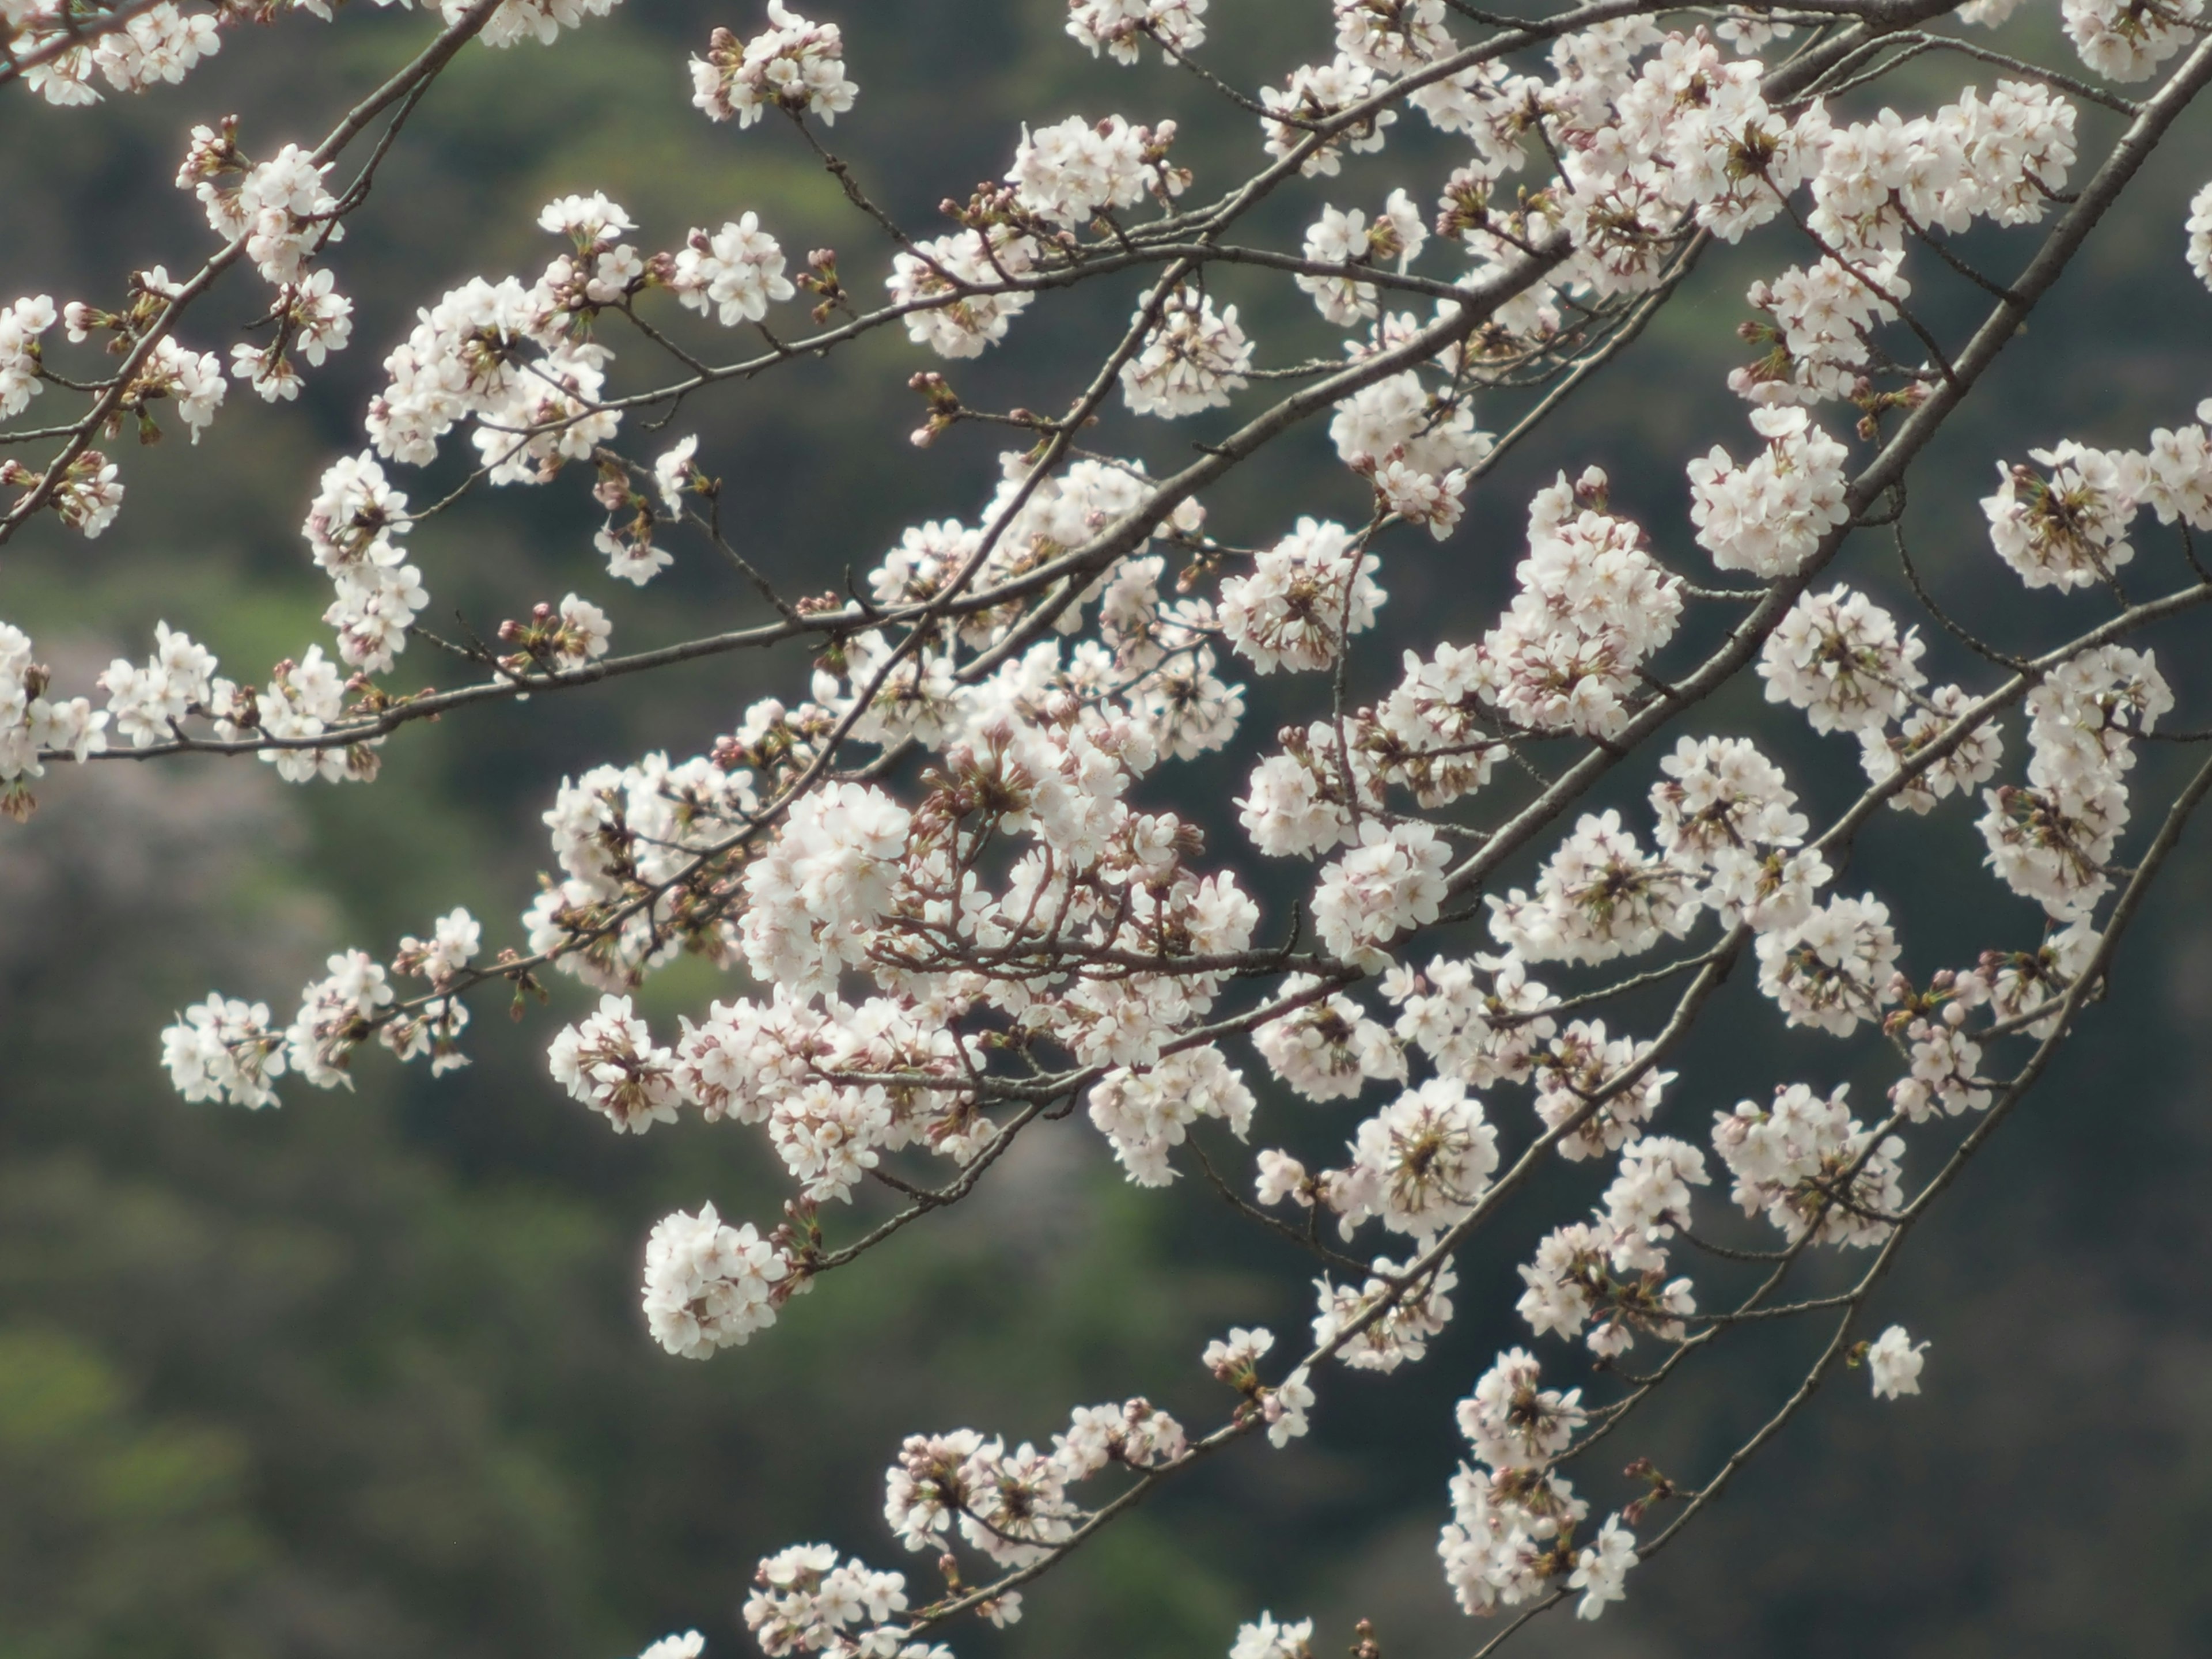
x=2065, y=525
x=33, y=723
x=1191, y=361
x=159, y=45
x=1512, y=1535
x=806, y=1599
x=708, y=1285
x=796, y=65
x=2128, y=43
x=1418, y=1166
x=2053, y=840
x=1118, y=27
x=1304, y=597
x=1074, y=170
x=1811, y=1168
x=20, y=325
x=1769, y=515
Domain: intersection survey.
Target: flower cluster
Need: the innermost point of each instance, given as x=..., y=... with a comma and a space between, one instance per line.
x=1192, y=360
x=34, y=724
x=1838, y=657
x=1305, y=596
x=1811, y=1168
x=794, y=65
x=1769, y=516
x=1119, y=26
x=1512, y=1534
x=20, y=325
x=708, y=1285
x=1069, y=173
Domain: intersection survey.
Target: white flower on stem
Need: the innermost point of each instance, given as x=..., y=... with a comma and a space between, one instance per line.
x=1304, y=596
x=335, y=1016
x=1421, y=498
x=2065, y=526
x=1192, y=360
x=1838, y=657
x=1720, y=795
x=1410, y=1319
x=1833, y=970
x=1146, y=1114
x=1422, y=1163
x=146, y=703
x=1313, y=92
x=1233, y=1358
x=1571, y=1261
x=940, y=280
x=2125, y=42
x=587, y=220
x=1769, y=516
x=584, y=632
x=1600, y=895
x=1118, y=27
x=1266, y=1639
x=1283, y=1177
x=1392, y=881
x=828, y=1135
x=1481, y=1018
x=733, y=274
x=1601, y=1569
x=806, y=1597
x=1581, y=1066
x=795, y=64
x=1511, y=1422
x=1792, y=1159
x=1135, y=1433
x=159, y=45
x=1650, y=1199
x=1496, y=1549
x=20, y=325
x=1284, y=1407
x=1894, y=1362
x=223, y=1049
x=1338, y=238
x=287, y=213
x=609, y=1062
x=1401, y=419
x=673, y=474
x=1973, y=760
x=2177, y=469
x=708, y=1285
x=1074, y=169
x=1017, y=1508
x=1329, y=1049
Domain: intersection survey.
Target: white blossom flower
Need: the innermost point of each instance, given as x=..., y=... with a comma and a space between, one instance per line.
x=1894, y=1364
x=733, y=274
x=1266, y=1639
x=708, y=1285
x=1304, y=596
x=1600, y=1569
x=795, y=64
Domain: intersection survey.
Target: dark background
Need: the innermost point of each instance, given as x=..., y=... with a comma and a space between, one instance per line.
x=367, y=1376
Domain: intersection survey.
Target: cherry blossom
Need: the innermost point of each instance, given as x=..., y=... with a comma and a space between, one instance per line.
x=1894, y=1362
x=969, y=865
